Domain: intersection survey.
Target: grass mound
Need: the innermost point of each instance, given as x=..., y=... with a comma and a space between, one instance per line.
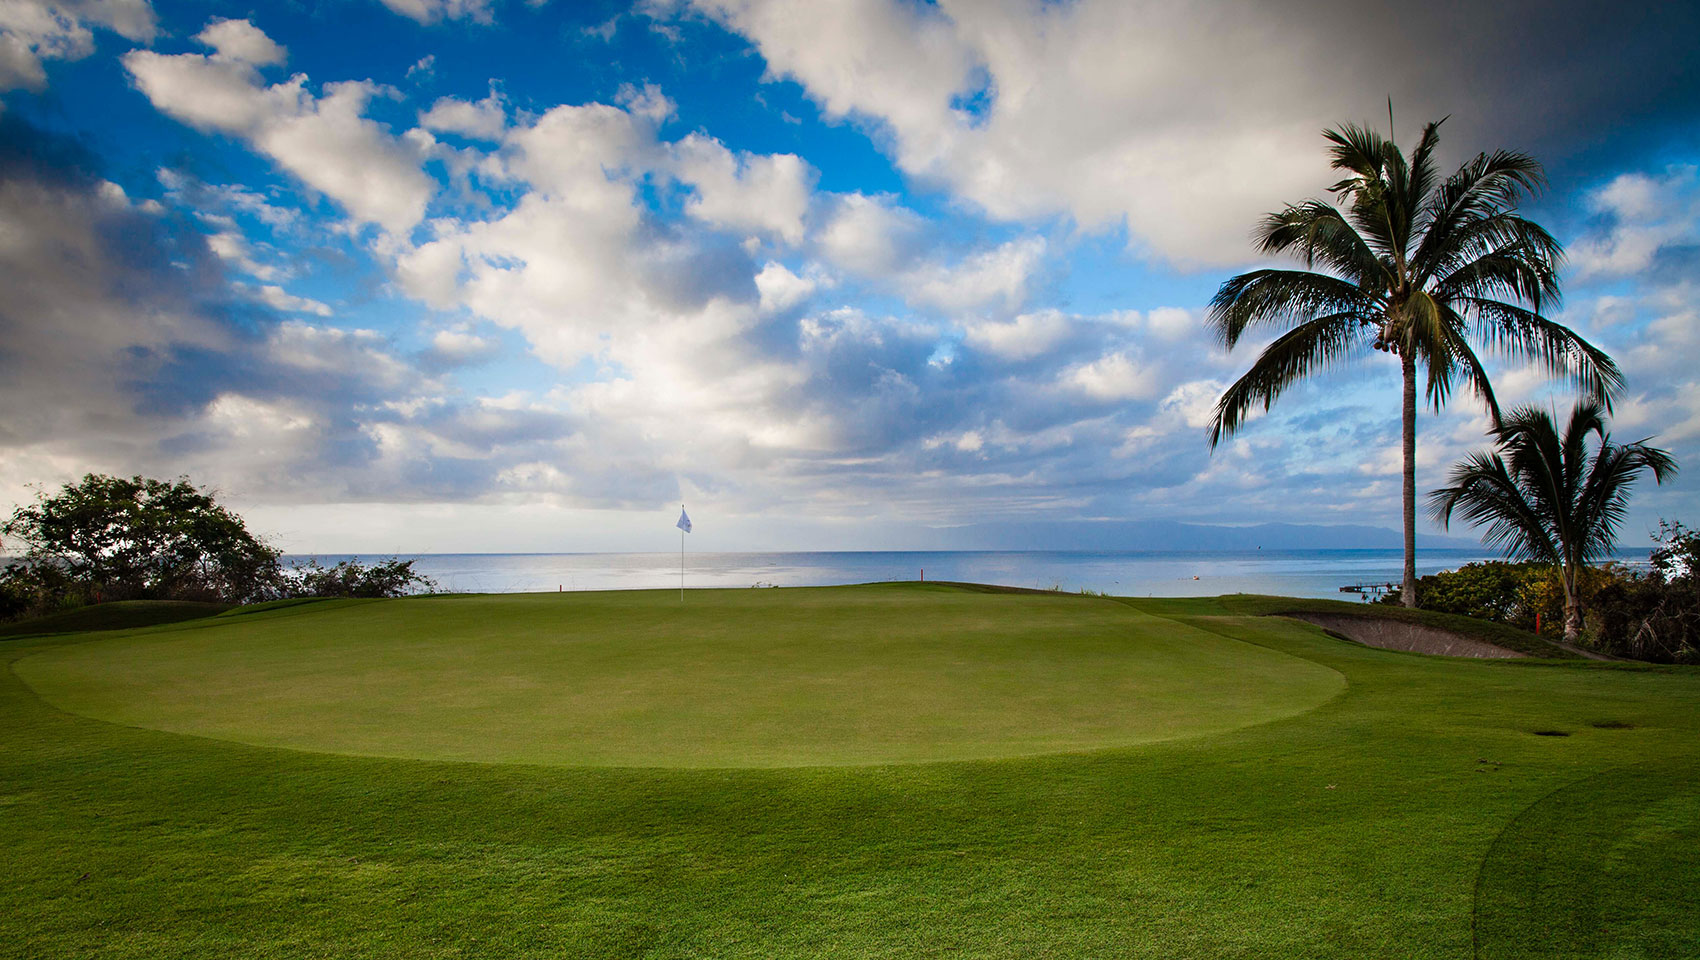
x=738, y=678
x=119, y=615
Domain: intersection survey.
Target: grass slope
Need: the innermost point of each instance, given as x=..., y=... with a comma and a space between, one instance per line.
x=119, y=615
x=729, y=678
x=1417, y=815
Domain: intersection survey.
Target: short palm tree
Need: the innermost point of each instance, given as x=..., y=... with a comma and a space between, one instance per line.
x=1413, y=266
x=1544, y=497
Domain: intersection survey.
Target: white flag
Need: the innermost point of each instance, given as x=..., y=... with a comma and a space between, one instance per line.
x=684, y=521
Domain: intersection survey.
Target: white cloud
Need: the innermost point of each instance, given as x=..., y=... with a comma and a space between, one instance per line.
x=460, y=345
x=1172, y=323
x=1114, y=376
x=325, y=141
x=280, y=299
x=482, y=120
x=999, y=275
x=32, y=31
x=762, y=193
x=1023, y=338
x=868, y=234
x=436, y=11
x=241, y=41
x=646, y=101
x=1184, y=124
x=1647, y=214
x=780, y=289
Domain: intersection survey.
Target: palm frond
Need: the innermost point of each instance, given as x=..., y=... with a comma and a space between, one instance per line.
x=1490, y=185
x=1321, y=343
x=1484, y=492
x=1499, y=257
x=1318, y=232
x=1526, y=336
x=1283, y=298
x=1462, y=361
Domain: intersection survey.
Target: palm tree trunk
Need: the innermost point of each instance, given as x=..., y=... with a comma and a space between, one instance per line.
x=1572, y=605
x=1408, y=414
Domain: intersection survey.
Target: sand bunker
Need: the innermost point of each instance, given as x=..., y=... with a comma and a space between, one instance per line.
x=1395, y=635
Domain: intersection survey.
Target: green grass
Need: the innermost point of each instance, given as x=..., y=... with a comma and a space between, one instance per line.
x=1413, y=815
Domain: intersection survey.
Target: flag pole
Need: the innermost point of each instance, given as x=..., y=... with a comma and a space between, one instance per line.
x=681, y=557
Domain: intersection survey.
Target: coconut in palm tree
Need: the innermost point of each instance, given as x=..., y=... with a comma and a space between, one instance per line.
x=1422, y=269
x=1551, y=497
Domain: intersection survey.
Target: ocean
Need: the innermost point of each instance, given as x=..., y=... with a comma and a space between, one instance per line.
x=1296, y=573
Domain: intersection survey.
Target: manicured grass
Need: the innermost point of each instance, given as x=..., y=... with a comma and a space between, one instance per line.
x=729, y=678
x=1416, y=814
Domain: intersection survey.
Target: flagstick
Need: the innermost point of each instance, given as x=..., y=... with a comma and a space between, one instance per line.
x=681, y=558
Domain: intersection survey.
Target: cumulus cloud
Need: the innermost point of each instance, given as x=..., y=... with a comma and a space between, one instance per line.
x=758, y=193
x=35, y=30
x=484, y=119
x=1022, y=338
x=125, y=348
x=241, y=41
x=1114, y=376
x=1102, y=110
x=325, y=141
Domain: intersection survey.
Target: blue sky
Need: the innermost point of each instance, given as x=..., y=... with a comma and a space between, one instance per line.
x=454, y=275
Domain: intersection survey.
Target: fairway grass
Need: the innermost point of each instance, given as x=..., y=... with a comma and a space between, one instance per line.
x=728, y=678
x=1414, y=813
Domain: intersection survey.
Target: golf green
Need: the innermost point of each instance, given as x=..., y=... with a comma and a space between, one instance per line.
x=724, y=678
x=1424, y=808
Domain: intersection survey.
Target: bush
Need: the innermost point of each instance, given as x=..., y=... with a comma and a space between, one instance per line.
x=350, y=578
x=1519, y=594
x=1656, y=615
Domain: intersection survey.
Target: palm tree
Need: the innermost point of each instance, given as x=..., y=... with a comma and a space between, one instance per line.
x=1413, y=266
x=1545, y=498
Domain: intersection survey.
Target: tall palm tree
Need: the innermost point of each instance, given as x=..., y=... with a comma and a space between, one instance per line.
x=1545, y=497
x=1413, y=266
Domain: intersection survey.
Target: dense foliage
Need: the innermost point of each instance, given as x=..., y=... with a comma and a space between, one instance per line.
x=133, y=538
x=1656, y=615
x=1651, y=614
x=1529, y=596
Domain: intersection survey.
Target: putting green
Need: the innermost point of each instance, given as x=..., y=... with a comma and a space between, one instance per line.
x=731, y=678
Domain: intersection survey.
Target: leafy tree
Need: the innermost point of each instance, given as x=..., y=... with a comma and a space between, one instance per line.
x=122, y=538
x=1413, y=266
x=1656, y=615
x=1545, y=497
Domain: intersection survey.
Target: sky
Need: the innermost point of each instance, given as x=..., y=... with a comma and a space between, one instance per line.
x=489, y=275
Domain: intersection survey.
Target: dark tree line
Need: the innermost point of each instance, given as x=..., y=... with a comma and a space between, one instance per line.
x=134, y=538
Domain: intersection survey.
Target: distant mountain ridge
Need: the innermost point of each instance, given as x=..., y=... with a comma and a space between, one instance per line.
x=1141, y=535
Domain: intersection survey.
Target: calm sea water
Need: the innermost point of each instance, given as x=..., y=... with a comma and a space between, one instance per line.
x=1295, y=573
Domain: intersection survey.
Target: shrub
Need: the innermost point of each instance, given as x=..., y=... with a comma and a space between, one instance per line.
x=393, y=577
